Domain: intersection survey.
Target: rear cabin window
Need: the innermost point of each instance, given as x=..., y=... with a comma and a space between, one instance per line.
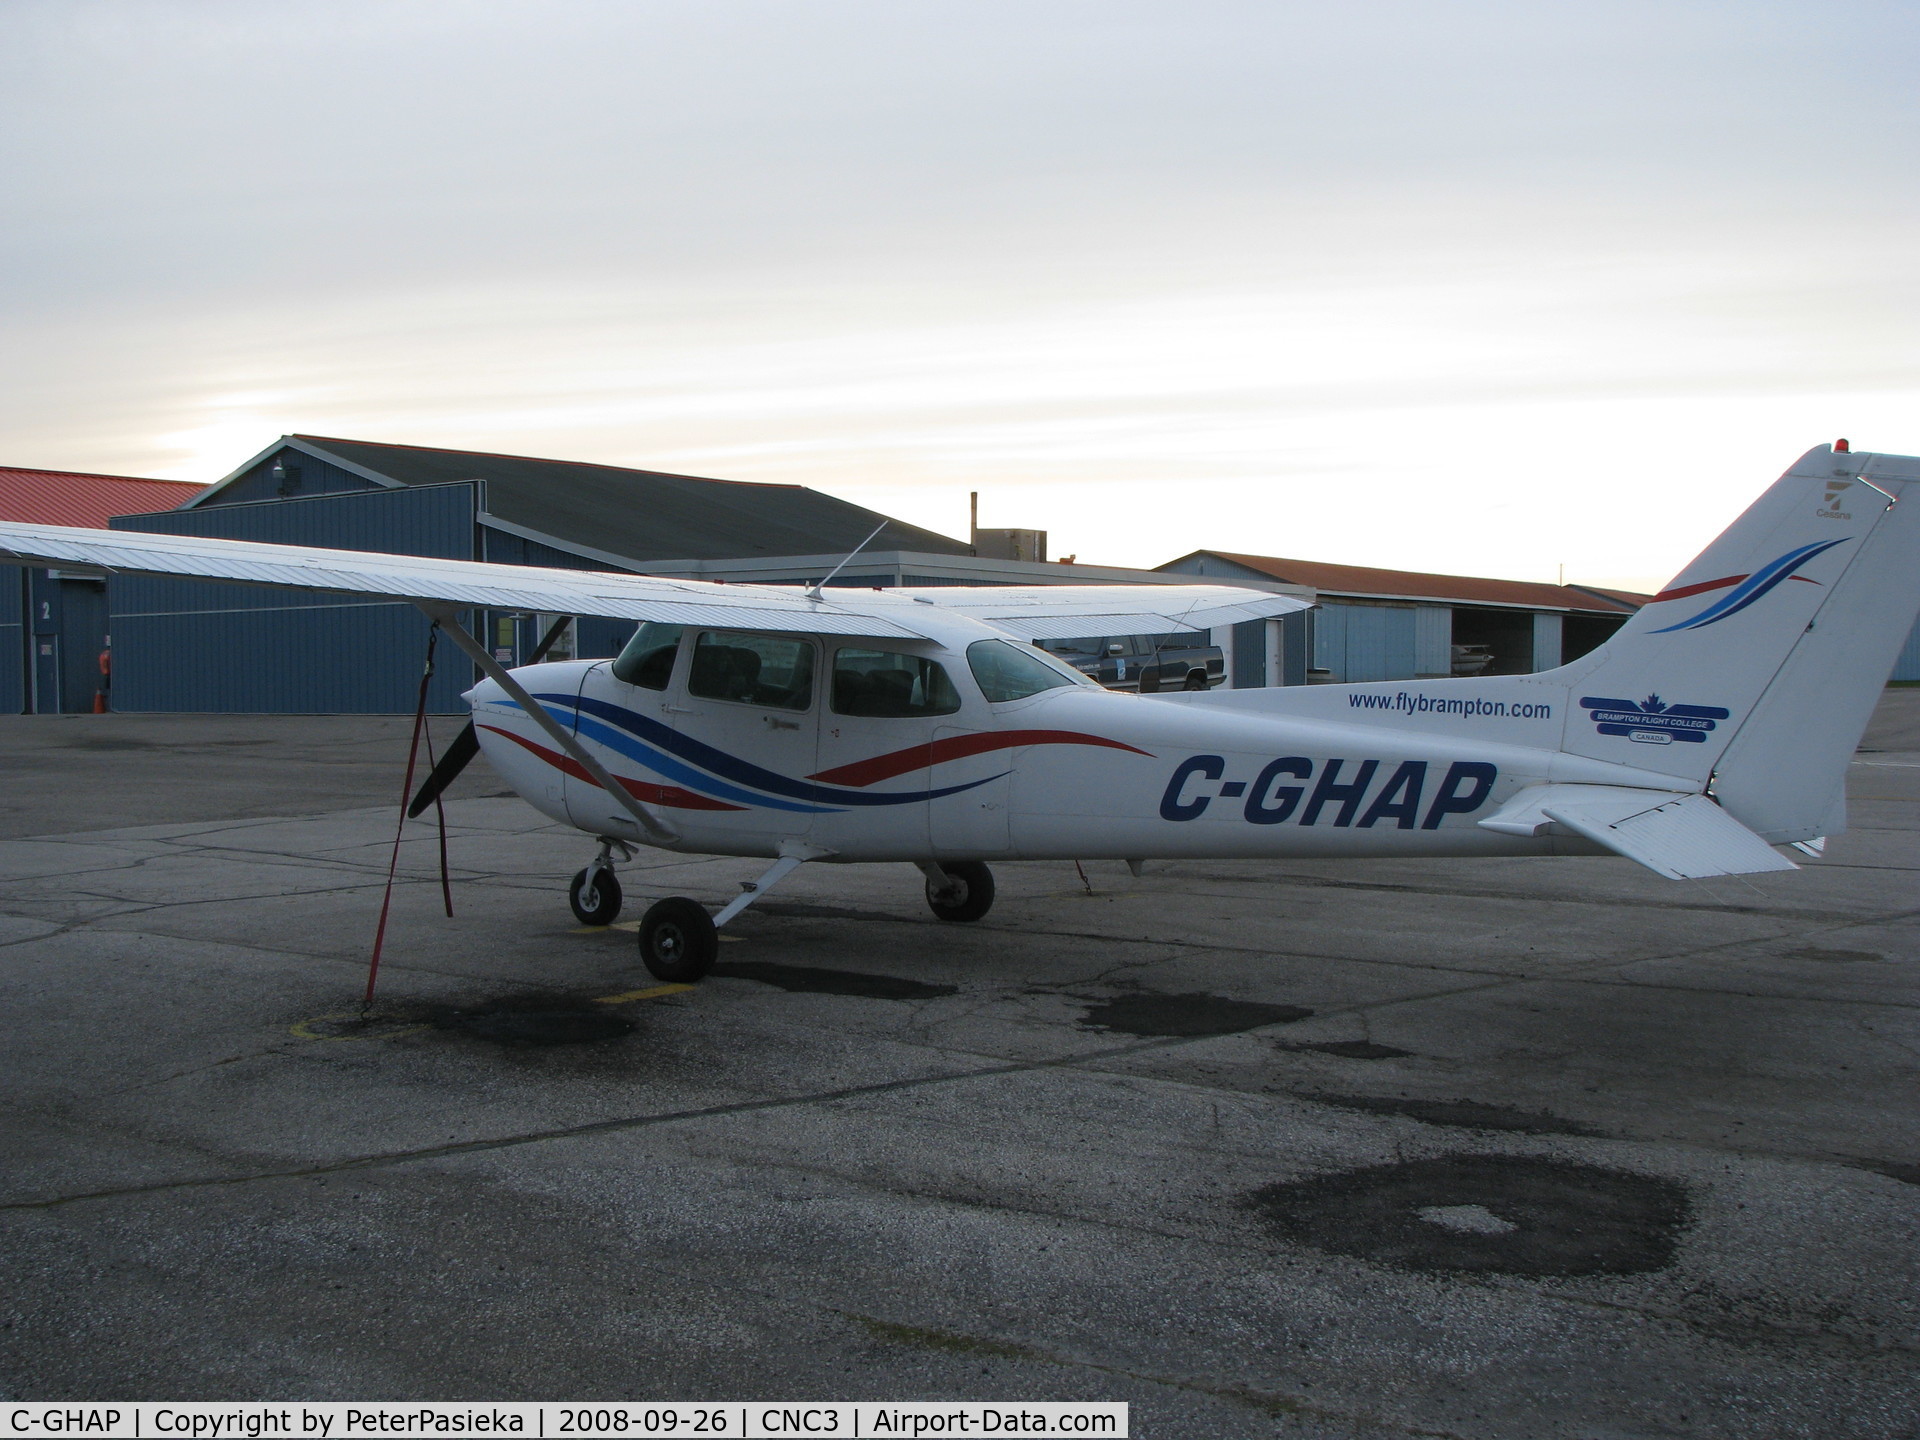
x=765, y=670
x=1005, y=671
x=887, y=685
x=647, y=659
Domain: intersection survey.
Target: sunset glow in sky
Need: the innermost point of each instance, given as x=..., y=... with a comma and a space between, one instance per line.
x=1488, y=288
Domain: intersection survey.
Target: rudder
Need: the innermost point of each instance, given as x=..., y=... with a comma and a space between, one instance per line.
x=1758, y=667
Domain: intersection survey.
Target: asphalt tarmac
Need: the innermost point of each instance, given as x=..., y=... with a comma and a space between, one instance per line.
x=1532, y=1148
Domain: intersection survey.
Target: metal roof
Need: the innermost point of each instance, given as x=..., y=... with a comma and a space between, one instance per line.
x=74, y=497
x=613, y=511
x=1364, y=581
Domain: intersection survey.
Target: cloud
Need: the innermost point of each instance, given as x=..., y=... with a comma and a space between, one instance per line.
x=1408, y=283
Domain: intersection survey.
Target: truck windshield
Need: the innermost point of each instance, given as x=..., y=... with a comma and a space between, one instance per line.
x=1005, y=671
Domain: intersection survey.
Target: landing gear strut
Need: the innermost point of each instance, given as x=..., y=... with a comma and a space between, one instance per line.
x=679, y=940
x=595, y=893
x=959, y=889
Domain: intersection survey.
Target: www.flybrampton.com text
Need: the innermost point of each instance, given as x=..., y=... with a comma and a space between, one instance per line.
x=1412, y=702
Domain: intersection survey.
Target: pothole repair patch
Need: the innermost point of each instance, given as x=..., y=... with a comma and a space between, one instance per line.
x=1147, y=1013
x=539, y=1023
x=814, y=980
x=1494, y=1214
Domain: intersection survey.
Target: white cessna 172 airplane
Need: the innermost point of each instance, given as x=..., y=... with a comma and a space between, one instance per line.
x=918, y=726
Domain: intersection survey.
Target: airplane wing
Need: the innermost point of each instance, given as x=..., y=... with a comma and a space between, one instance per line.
x=1681, y=836
x=1056, y=612
x=458, y=582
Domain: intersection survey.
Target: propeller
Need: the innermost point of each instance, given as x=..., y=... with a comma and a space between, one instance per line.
x=466, y=744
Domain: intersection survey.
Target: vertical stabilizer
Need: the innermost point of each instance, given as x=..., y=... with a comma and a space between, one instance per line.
x=1758, y=667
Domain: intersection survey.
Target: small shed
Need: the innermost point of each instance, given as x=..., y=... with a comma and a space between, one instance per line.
x=1374, y=624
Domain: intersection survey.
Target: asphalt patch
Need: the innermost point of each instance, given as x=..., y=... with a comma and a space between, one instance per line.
x=1355, y=1050
x=1837, y=957
x=538, y=1021
x=801, y=910
x=1485, y=1214
x=1893, y=1170
x=814, y=980
x=1147, y=1013
x=1462, y=1114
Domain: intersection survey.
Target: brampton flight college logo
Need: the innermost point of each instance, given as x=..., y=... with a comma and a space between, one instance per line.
x=1744, y=590
x=1651, y=721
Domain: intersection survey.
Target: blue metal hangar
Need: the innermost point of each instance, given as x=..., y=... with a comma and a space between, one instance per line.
x=53, y=625
x=190, y=645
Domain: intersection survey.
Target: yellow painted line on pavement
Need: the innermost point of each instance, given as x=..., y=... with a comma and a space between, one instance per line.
x=626, y=995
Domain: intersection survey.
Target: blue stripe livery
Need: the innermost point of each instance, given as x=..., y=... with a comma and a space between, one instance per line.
x=1754, y=587
x=667, y=753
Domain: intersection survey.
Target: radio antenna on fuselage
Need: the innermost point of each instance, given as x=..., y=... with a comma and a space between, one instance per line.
x=813, y=590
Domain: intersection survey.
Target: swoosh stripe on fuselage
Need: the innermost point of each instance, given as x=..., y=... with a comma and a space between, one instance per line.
x=956, y=747
x=671, y=795
x=719, y=762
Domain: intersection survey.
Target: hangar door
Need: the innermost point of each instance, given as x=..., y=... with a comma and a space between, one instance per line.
x=1364, y=642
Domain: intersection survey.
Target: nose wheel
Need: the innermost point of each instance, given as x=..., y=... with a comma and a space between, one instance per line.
x=595, y=893
x=595, y=896
x=959, y=890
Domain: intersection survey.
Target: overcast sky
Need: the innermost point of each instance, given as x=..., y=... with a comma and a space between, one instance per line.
x=1479, y=287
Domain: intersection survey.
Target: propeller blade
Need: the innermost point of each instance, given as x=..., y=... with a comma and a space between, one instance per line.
x=466, y=744
x=459, y=755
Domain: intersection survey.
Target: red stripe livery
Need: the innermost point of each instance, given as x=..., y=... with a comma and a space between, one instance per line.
x=955, y=747
x=669, y=795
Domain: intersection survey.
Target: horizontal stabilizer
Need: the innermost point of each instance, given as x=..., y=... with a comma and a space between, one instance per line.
x=1680, y=836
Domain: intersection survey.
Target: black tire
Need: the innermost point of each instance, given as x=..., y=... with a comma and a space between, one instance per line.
x=968, y=894
x=1196, y=680
x=677, y=940
x=598, y=903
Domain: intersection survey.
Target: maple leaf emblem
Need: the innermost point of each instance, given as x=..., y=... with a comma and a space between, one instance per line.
x=1651, y=705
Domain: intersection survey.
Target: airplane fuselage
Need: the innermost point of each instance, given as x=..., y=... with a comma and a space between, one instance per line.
x=1073, y=772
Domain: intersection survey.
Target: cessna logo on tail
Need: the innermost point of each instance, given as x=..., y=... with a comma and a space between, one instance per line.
x=1651, y=721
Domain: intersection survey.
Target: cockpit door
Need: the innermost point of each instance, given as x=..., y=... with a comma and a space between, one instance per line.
x=746, y=713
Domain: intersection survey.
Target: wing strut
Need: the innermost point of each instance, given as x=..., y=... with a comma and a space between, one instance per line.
x=448, y=617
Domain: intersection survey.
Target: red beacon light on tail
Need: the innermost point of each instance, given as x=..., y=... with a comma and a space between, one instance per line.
x=1840, y=447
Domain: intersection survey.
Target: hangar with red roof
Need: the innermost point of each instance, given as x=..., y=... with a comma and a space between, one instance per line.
x=53, y=627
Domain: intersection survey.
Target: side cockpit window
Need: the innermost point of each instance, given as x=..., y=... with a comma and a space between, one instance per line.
x=888, y=685
x=766, y=670
x=647, y=660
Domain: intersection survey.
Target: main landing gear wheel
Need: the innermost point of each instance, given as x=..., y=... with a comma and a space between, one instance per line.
x=677, y=940
x=967, y=893
x=595, y=897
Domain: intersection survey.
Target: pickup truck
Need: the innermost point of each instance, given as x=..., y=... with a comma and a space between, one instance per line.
x=1146, y=663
